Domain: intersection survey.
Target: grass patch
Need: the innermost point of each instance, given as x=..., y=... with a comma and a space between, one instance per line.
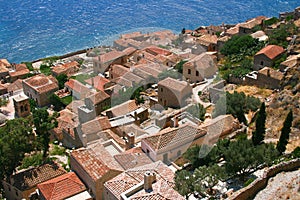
x=45, y=69
x=34, y=160
x=58, y=150
x=82, y=77
x=67, y=100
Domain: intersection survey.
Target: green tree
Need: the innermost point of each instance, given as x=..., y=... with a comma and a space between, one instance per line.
x=16, y=139
x=43, y=123
x=184, y=183
x=260, y=129
x=62, y=78
x=197, y=111
x=285, y=133
x=56, y=102
x=3, y=102
x=206, y=177
x=179, y=66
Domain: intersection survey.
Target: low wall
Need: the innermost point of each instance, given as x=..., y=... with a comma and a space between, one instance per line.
x=259, y=184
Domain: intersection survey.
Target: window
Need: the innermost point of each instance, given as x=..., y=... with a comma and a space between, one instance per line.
x=197, y=73
x=148, y=151
x=189, y=71
x=261, y=62
x=161, y=89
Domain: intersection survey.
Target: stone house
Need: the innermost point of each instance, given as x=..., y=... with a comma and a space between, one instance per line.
x=248, y=26
x=21, y=105
x=4, y=71
x=116, y=71
x=266, y=77
x=208, y=42
x=200, y=67
x=66, y=186
x=151, y=181
x=40, y=88
x=290, y=62
x=101, y=63
x=77, y=89
x=173, y=93
x=98, y=102
x=267, y=56
x=170, y=143
x=18, y=71
x=99, y=83
x=69, y=69
x=23, y=184
x=94, y=166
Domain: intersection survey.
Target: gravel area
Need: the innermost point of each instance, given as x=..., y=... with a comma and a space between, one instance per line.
x=285, y=185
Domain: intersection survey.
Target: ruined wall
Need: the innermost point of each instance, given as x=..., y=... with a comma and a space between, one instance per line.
x=259, y=184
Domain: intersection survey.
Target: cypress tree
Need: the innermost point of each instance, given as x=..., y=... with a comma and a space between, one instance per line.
x=260, y=129
x=285, y=133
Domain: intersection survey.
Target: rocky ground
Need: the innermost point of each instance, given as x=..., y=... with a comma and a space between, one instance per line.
x=285, y=185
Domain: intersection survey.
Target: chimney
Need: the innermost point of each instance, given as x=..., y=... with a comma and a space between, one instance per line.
x=175, y=121
x=130, y=140
x=268, y=72
x=149, y=179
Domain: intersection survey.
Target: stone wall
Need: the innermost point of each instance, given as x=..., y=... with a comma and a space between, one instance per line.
x=259, y=184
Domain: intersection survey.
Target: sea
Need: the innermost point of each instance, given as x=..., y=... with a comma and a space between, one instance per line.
x=32, y=29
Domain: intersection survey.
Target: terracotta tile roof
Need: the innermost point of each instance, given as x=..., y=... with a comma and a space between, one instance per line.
x=61, y=187
x=96, y=125
x=17, y=85
x=209, y=39
x=141, y=73
x=132, y=158
x=98, y=97
x=63, y=68
x=267, y=71
x=4, y=62
x=42, y=83
x=20, y=70
x=162, y=187
x=110, y=56
x=154, y=50
x=119, y=70
x=271, y=51
x=77, y=86
x=30, y=178
x=253, y=22
x=123, y=108
x=95, y=160
x=233, y=30
x=92, y=165
x=129, y=79
x=149, y=69
x=130, y=50
x=174, y=136
x=202, y=61
x=98, y=82
x=67, y=122
x=173, y=84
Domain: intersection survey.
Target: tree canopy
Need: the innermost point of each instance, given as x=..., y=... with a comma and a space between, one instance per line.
x=197, y=111
x=16, y=139
x=285, y=133
x=43, y=123
x=260, y=129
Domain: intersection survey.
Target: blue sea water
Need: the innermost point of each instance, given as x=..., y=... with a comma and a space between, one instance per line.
x=32, y=29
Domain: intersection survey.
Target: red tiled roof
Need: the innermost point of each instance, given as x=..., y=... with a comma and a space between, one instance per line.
x=98, y=97
x=119, y=70
x=174, y=136
x=129, y=50
x=95, y=160
x=62, y=68
x=77, y=86
x=123, y=108
x=61, y=187
x=42, y=83
x=98, y=82
x=271, y=51
x=253, y=22
x=110, y=56
x=267, y=71
x=154, y=50
x=208, y=39
x=202, y=61
x=17, y=85
x=162, y=187
x=67, y=121
x=30, y=178
x=132, y=158
x=96, y=125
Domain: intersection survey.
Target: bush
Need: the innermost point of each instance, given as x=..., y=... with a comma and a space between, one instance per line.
x=34, y=160
x=57, y=150
x=250, y=180
x=296, y=153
